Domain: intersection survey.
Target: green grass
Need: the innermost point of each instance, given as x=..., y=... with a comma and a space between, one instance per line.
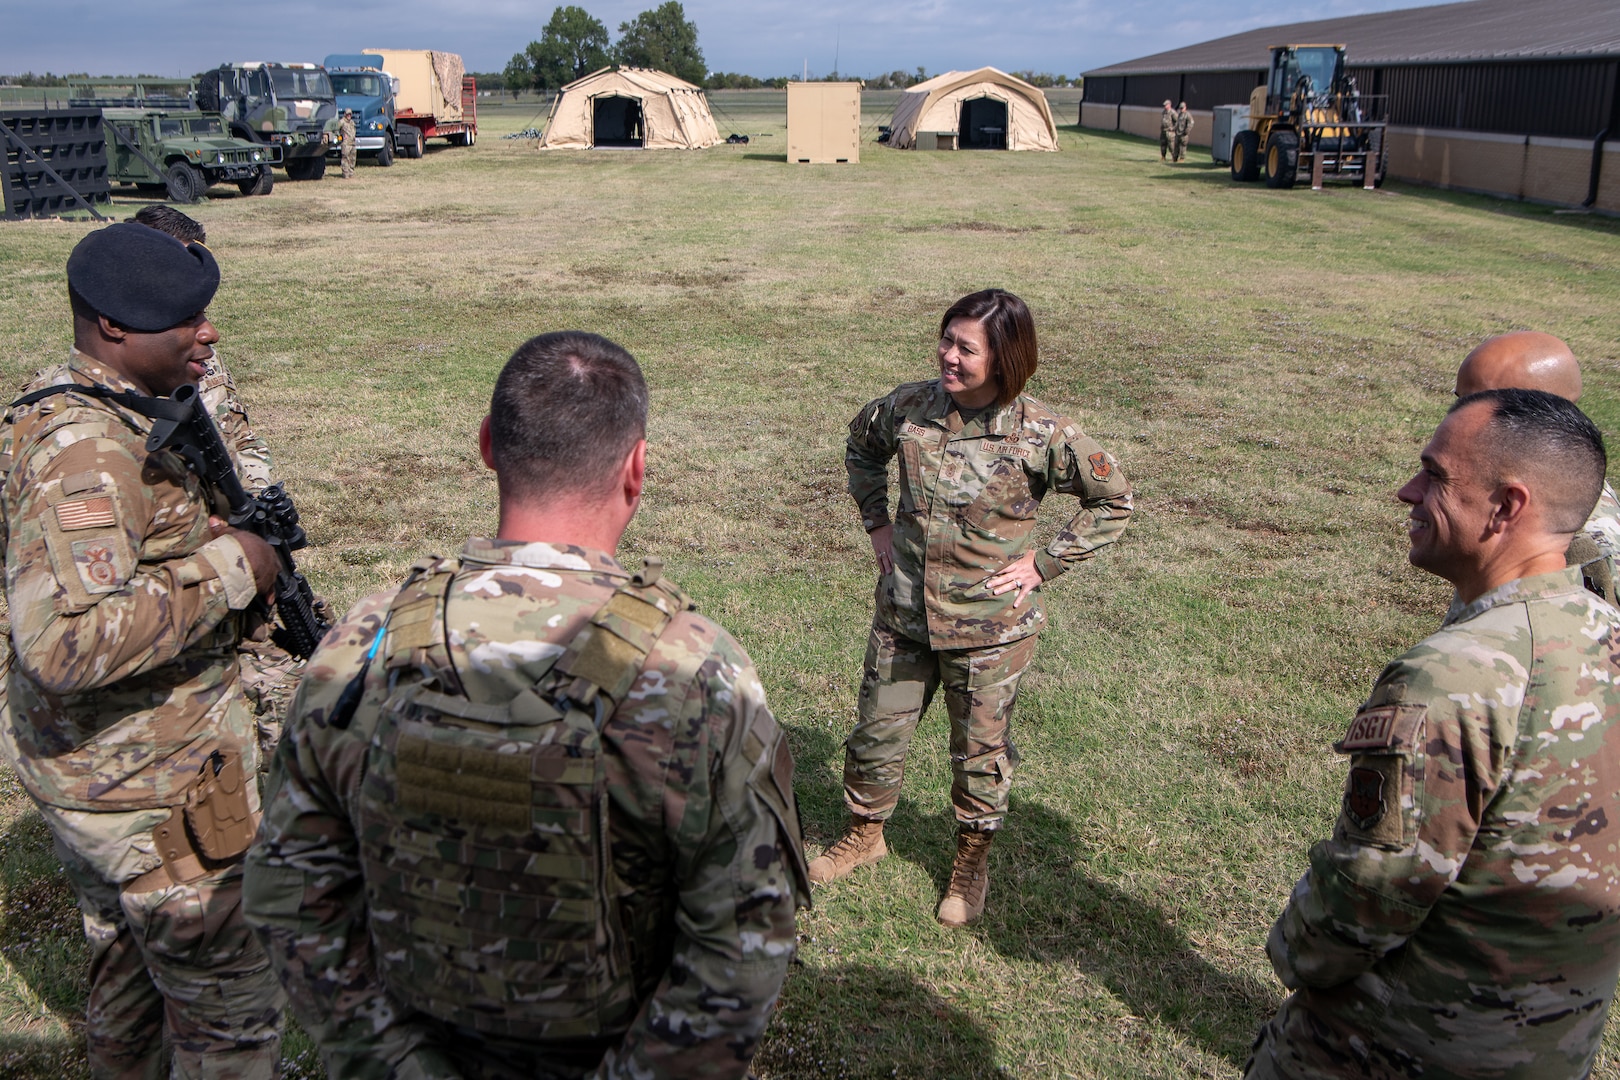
x=1265, y=364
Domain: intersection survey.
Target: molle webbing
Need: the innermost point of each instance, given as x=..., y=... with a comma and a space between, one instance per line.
x=484, y=828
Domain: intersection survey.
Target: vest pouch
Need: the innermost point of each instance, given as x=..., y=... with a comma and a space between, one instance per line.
x=217, y=812
x=485, y=853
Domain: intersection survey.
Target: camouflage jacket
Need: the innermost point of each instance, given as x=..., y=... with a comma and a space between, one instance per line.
x=1184, y=123
x=703, y=825
x=968, y=498
x=218, y=393
x=122, y=629
x=1603, y=525
x=1167, y=121
x=1465, y=916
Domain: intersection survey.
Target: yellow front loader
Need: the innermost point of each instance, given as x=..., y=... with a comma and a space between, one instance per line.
x=1310, y=119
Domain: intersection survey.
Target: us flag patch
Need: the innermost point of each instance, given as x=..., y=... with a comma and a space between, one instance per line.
x=94, y=513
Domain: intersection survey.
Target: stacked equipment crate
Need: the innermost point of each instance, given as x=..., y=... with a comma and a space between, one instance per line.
x=55, y=160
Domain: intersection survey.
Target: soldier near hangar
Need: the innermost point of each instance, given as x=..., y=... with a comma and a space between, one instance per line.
x=531, y=814
x=125, y=718
x=346, y=145
x=1531, y=360
x=1183, y=132
x=957, y=602
x=268, y=671
x=1463, y=918
x=1167, y=130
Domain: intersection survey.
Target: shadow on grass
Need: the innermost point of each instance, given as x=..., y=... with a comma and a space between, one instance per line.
x=780, y=159
x=903, y=1030
x=39, y=1056
x=1043, y=906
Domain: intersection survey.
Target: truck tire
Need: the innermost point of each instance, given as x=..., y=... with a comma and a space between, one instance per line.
x=306, y=168
x=413, y=142
x=1282, y=159
x=259, y=185
x=385, y=156
x=1246, y=157
x=472, y=136
x=186, y=183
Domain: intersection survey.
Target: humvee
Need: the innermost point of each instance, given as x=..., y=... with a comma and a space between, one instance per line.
x=159, y=141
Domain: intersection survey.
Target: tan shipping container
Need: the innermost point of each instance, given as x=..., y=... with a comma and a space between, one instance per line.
x=824, y=123
x=429, y=82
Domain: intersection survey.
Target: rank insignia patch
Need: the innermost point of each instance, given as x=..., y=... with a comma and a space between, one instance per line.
x=1102, y=466
x=1364, y=798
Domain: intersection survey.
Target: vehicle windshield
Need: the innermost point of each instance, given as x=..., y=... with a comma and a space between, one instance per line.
x=1318, y=64
x=357, y=84
x=300, y=83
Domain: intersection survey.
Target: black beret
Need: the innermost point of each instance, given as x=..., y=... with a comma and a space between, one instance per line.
x=141, y=278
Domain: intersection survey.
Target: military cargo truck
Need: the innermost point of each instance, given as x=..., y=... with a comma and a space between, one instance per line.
x=290, y=106
x=158, y=140
x=436, y=98
x=365, y=88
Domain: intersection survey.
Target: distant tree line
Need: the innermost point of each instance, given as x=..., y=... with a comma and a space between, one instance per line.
x=28, y=78
x=575, y=43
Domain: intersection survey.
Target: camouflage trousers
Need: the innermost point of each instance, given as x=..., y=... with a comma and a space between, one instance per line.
x=1178, y=147
x=269, y=676
x=897, y=685
x=1166, y=142
x=179, y=986
x=347, y=158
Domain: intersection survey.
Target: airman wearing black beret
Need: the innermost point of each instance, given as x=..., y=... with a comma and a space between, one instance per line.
x=142, y=279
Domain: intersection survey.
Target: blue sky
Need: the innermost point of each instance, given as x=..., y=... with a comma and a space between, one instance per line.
x=763, y=37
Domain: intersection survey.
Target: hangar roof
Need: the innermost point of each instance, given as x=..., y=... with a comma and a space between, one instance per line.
x=1443, y=33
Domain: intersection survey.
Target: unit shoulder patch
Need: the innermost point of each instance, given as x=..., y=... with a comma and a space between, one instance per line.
x=1102, y=466
x=97, y=562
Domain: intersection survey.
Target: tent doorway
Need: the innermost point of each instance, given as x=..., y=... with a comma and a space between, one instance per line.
x=983, y=124
x=617, y=121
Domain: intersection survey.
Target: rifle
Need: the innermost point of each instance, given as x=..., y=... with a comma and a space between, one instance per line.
x=184, y=425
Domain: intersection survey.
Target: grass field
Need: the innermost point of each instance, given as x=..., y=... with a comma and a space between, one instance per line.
x=1266, y=365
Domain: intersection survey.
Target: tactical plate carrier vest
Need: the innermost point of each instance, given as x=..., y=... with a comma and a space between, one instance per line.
x=484, y=832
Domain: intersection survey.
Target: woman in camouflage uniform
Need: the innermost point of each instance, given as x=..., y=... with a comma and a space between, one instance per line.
x=958, y=602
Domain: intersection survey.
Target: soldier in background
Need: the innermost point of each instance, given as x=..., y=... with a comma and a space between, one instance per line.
x=269, y=672
x=346, y=143
x=976, y=458
x=1531, y=360
x=1464, y=919
x=1183, y=130
x=531, y=815
x=125, y=719
x=1167, y=130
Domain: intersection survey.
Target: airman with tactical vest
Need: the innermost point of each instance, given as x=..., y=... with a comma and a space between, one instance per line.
x=531, y=814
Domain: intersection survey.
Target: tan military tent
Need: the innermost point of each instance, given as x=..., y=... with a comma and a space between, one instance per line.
x=630, y=107
x=983, y=110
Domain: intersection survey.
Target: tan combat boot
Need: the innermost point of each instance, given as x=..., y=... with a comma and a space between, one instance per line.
x=970, y=879
x=861, y=843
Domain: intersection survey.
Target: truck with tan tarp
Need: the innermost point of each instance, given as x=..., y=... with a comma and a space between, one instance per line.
x=436, y=98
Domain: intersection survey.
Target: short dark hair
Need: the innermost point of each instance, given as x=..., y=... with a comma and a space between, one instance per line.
x=1010, y=331
x=567, y=408
x=167, y=219
x=1546, y=441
